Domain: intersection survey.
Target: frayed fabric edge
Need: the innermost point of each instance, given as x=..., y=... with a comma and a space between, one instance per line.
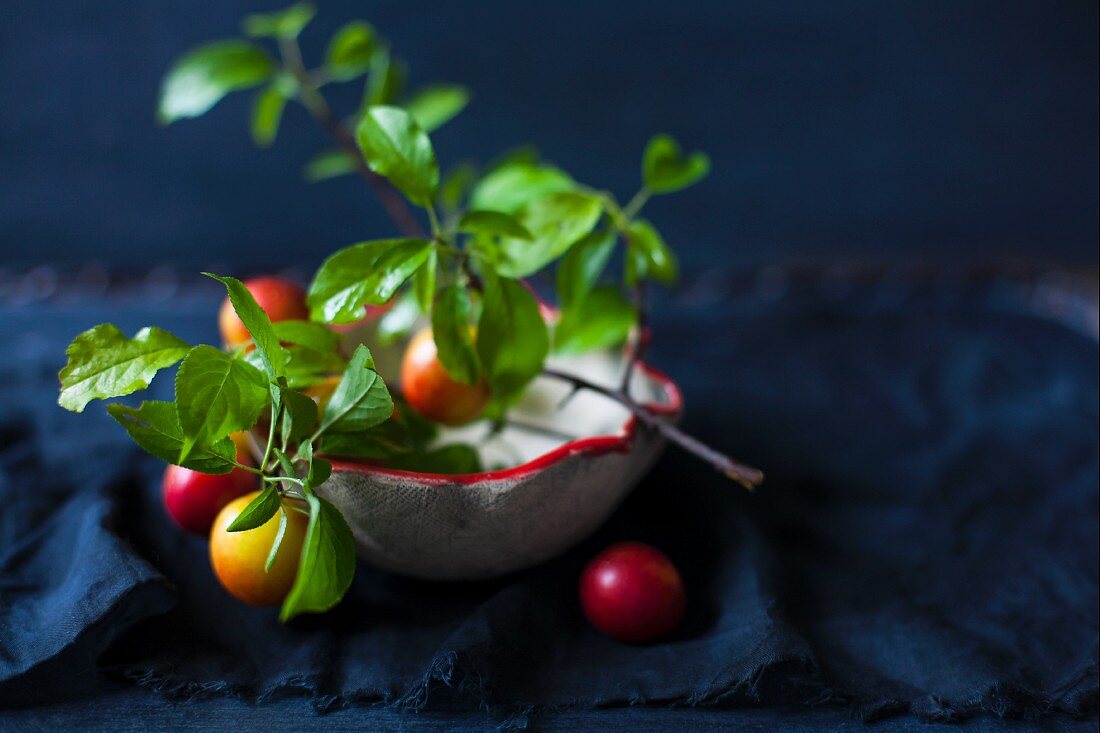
x=457, y=673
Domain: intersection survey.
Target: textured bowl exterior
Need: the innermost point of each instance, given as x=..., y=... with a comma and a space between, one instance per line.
x=475, y=526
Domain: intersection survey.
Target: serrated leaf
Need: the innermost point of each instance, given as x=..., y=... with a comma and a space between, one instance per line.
x=287, y=23
x=434, y=106
x=299, y=416
x=258, y=512
x=451, y=331
x=511, y=186
x=660, y=262
x=103, y=363
x=319, y=472
x=155, y=427
x=258, y=324
x=203, y=76
x=512, y=339
x=580, y=268
x=665, y=168
x=216, y=395
x=312, y=335
x=350, y=50
x=604, y=318
x=556, y=221
x=327, y=563
x=362, y=274
x=494, y=223
x=361, y=400
x=267, y=111
x=395, y=146
x=328, y=164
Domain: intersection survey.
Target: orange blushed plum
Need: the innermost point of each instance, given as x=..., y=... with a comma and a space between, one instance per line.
x=281, y=299
x=193, y=499
x=432, y=392
x=238, y=558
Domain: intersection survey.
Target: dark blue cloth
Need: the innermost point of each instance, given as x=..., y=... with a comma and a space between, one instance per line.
x=925, y=546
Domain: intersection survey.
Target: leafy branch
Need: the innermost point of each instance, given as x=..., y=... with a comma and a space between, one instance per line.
x=488, y=231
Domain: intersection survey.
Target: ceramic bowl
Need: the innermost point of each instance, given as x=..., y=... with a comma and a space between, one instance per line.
x=570, y=465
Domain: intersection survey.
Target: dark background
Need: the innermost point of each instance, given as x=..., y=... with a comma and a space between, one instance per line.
x=836, y=128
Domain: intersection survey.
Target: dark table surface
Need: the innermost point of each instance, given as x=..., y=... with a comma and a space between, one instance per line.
x=924, y=554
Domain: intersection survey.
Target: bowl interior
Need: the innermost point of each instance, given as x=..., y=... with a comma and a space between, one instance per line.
x=546, y=417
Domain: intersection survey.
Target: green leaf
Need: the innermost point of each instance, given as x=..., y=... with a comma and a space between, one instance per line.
x=520, y=154
x=434, y=106
x=357, y=446
x=103, y=363
x=199, y=80
x=361, y=400
x=312, y=335
x=512, y=339
x=601, y=320
x=447, y=459
x=665, y=169
x=395, y=146
x=305, y=366
x=493, y=223
x=453, y=189
x=155, y=426
x=398, y=321
x=286, y=24
x=258, y=512
x=319, y=472
x=556, y=221
x=511, y=186
x=362, y=274
x=299, y=416
x=451, y=330
x=424, y=281
x=273, y=553
x=328, y=164
x=350, y=50
x=267, y=111
x=258, y=324
x=581, y=267
x=660, y=262
x=216, y=395
x=327, y=563
x=386, y=80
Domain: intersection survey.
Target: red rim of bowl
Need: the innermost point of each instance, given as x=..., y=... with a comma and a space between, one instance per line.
x=588, y=445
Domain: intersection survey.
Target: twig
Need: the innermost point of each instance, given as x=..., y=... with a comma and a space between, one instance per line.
x=747, y=476
x=319, y=108
x=641, y=337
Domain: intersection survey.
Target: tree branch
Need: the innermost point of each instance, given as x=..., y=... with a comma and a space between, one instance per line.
x=319, y=108
x=747, y=476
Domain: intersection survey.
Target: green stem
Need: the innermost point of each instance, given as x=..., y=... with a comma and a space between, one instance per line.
x=433, y=220
x=634, y=206
x=318, y=107
x=270, y=439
